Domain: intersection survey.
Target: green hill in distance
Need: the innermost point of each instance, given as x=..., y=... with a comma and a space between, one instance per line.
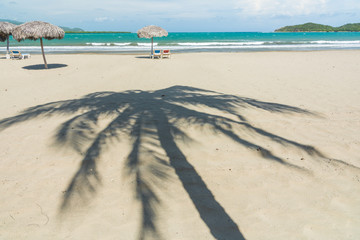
x=66, y=29
x=350, y=27
x=314, y=27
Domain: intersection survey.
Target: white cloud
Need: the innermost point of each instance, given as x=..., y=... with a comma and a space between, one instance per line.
x=281, y=7
x=101, y=19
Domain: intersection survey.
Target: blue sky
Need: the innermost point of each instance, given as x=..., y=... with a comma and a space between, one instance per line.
x=182, y=15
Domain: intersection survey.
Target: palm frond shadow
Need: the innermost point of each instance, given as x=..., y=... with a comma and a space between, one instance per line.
x=151, y=118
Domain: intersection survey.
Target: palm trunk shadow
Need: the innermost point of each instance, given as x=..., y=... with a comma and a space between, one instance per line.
x=211, y=212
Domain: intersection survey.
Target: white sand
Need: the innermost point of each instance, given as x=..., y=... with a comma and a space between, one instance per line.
x=313, y=194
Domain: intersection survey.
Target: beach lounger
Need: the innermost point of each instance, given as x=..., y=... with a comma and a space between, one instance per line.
x=18, y=55
x=156, y=53
x=15, y=54
x=166, y=53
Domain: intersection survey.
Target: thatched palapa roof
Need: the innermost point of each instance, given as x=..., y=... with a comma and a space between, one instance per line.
x=6, y=29
x=37, y=29
x=152, y=31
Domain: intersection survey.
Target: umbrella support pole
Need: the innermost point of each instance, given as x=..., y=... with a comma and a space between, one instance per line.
x=42, y=50
x=7, y=56
x=7, y=46
x=152, y=48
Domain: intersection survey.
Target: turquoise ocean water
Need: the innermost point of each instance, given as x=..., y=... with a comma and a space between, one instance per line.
x=192, y=42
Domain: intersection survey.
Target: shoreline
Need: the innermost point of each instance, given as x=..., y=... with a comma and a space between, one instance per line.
x=183, y=52
x=191, y=52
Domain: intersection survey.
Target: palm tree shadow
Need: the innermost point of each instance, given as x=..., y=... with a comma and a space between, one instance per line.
x=151, y=119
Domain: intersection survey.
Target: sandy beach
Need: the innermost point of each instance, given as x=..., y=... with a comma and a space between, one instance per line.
x=252, y=145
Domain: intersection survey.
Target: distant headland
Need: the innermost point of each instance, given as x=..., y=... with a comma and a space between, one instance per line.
x=66, y=29
x=314, y=27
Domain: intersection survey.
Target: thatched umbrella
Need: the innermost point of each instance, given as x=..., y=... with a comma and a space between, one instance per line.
x=35, y=30
x=6, y=29
x=151, y=32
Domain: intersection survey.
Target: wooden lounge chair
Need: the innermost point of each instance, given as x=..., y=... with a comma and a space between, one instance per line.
x=166, y=53
x=156, y=53
x=14, y=54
